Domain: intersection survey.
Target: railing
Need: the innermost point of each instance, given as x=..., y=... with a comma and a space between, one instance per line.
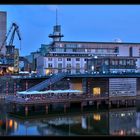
x=55, y=99
x=55, y=78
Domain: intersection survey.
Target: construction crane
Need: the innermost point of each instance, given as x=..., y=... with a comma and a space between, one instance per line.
x=11, y=55
x=16, y=29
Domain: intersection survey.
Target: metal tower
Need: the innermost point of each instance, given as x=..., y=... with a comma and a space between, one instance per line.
x=56, y=36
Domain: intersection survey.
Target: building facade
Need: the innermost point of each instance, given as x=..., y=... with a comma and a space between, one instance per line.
x=71, y=57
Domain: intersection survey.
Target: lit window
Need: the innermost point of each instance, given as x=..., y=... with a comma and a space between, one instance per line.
x=47, y=71
x=96, y=91
x=97, y=117
x=59, y=59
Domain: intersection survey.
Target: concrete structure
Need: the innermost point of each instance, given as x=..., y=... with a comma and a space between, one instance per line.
x=3, y=24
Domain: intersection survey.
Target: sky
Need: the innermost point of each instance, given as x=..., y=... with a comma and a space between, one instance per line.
x=94, y=23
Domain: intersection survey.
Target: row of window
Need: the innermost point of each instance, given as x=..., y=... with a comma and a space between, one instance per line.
x=113, y=62
x=68, y=59
x=102, y=50
x=68, y=65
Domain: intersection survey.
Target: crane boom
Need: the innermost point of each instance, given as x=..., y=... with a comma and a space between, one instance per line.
x=16, y=29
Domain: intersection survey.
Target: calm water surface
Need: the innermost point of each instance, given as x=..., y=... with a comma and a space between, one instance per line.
x=102, y=122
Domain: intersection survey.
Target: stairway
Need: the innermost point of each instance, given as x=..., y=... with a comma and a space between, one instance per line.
x=48, y=82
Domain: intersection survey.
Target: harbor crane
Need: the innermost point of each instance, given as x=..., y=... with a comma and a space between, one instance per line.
x=10, y=55
x=15, y=28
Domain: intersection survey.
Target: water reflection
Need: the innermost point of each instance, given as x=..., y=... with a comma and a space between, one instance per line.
x=123, y=122
x=113, y=122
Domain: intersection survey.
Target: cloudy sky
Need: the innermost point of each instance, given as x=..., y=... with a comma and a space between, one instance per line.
x=103, y=23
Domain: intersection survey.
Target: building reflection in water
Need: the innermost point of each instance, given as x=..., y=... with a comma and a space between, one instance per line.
x=7, y=126
x=113, y=122
x=123, y=122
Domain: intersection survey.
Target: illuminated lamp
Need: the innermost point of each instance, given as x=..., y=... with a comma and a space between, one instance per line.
x=97, y=117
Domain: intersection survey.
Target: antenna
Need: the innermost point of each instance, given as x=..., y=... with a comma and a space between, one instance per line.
x=56, y=17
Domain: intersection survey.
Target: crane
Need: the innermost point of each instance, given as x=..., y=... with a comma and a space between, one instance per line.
x=16, y=30
x=11, y=56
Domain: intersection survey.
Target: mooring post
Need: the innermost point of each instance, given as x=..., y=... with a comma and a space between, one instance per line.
x=81, y=106
x=65, y=108
x=118, y=104
x=126, y=103
x=7, y=88
x=98, y=103
x=26, y=85
x=134, y=102
x=26, y=110
x=109, y=104
x=46, y=109
x=14, y=107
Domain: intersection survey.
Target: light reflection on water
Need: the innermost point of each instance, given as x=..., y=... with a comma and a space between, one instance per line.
x=113, y=122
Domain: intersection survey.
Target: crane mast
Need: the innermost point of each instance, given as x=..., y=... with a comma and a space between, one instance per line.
x=16, y=29
x=12, y=54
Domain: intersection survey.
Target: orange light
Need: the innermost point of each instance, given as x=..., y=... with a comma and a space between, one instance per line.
x=122, y=132
x=97, y=91
x=10, y=123
x=97, y=117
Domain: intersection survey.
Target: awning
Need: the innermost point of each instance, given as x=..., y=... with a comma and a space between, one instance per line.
x=48, y=91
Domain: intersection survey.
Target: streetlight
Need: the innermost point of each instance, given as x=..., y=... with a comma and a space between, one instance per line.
x=92, y=68
x=68, y=79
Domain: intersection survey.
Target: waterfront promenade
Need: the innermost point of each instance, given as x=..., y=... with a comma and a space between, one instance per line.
x=68, y=99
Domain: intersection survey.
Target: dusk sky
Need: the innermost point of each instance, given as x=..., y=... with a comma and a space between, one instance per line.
x=95, y=23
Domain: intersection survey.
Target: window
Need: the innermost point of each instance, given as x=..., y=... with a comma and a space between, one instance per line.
x=77, y=66
x=88, y=50
x=131, y=62
x=85, y=66
x=123, y=62
x=68, y=65
x=68, y=59
x=96, y=91
x=59, y=59
x=116, y=50
x=77, y=70
x=74, y=49
x=85, y=59
x=49, y=59
x=68, y=71
x=116, y=62
x=59, y=65
x=128, y=62
x=130, y=51
x=59, y=70
x=120, y=62
x=77, y=59
x=106, y=62
x=113, y=62
x=49, y=65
